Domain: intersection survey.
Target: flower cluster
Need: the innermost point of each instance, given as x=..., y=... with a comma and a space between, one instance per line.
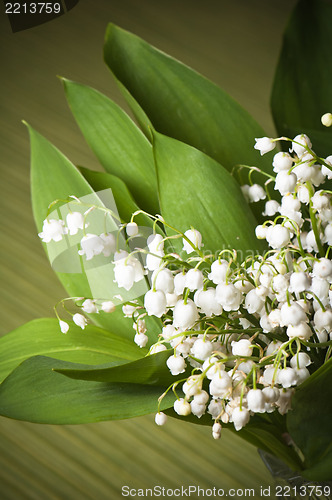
x=244, y=334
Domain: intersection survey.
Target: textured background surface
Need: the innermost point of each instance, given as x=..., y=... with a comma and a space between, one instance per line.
x=236, y=44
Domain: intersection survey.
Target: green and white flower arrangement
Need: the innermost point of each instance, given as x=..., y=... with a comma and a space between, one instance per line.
x=198, y=265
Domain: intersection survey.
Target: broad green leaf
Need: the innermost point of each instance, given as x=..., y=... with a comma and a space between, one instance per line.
x=181, y=103
x=140, y=116
x=119, y=145
x=35, y=392
x=196, y=191
x=309, y=422
x=151, y=370
x=93, y=346
x=53, y=177
x=125, y=203
x=302, y=90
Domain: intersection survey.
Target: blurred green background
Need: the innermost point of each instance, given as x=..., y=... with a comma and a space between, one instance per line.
x=236, y=44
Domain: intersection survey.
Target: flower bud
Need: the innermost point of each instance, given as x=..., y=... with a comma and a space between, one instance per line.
x=160, y=418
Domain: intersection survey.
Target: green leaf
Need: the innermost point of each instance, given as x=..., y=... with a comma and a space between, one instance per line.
x=196, y=191
x=302, y=90
x=36, y=393
x=124, y=201
x=119, y=145
x=309, y=423
x=93, y=346
x=181, y=103
x=53, y=177
x=151, y=370
x=140, y=116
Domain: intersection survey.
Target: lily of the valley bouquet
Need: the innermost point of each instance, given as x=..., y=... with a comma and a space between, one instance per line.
x=198, y=265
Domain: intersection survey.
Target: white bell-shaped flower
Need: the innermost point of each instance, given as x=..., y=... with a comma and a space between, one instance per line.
x=109, y=241
x=285, y=182
x=53, y=229
x=160, y=418
x=271, y=208
x=320, y=287
x=155, y=303
x=303, y=194
x=64, y=327
x=323, y=269
x=179, y=283
x=299, y=144
x=89, y=306
x=256, y=401
x=155, y=243
x=202, y=349
x=168, y=331
x=197, y=409
x=282, y=161
x=271, y=394
x=194, y=279
x=212, y=366
x=240, y=417
x=91, y=245
x=299, y=281
x=218, y=272
x=241, y=347
x=292, y=314
x=124, y=275
x=228, y=296
x=196, y=239
x=215, y=408
x=202, y=397
x=157, y=348
x=207, y=302
x=323, y=320
x=289, y=204
x=182, y=407
x=80, y=320
x=141, y=339
x=176, y=364
x=325, y=169
x=220, y=385
x=277, y=236
x=287, y=377
x=285, y=400
x=261, y=231
x=264, y=144
x=253, y=302
x=163, y=279
x=256, y=193
x=108, y=306
x=300, y=360
x=75, y=221
x=185, y=315
x=302, y=330
x=192, y=386
x=132, y=229
x=216, y=430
